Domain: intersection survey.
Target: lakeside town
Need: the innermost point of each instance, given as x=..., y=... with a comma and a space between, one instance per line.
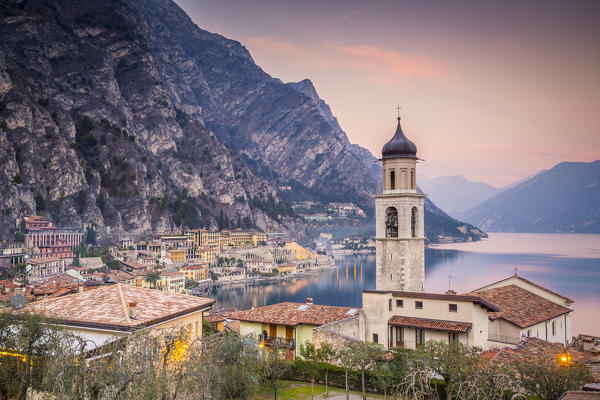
x=52, y=261
x=106, y=294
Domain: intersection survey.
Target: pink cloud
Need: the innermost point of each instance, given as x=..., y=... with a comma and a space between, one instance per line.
x=375, y=65
x=378, y=60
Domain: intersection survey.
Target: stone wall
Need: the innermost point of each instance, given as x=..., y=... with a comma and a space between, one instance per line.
x=338, y=334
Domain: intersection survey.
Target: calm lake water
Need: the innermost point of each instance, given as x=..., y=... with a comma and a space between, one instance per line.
x=566, y=263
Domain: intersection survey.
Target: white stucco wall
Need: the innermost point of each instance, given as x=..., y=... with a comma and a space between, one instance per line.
x=377, y=314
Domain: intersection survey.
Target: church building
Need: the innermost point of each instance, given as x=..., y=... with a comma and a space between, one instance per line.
x=398, y=312
x=400, y=237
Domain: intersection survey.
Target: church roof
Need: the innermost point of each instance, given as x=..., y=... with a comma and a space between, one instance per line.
x=399, y=146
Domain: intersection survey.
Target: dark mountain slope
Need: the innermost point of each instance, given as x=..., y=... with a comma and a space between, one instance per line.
x=91, y=132
x=565, y=198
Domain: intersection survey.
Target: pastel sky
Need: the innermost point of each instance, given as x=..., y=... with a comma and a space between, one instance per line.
x=493, y=91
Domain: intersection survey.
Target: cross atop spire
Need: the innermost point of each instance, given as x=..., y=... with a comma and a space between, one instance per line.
x=515, y=269
x=398, y=108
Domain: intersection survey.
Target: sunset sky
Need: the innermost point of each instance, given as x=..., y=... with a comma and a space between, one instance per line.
x=493, y=91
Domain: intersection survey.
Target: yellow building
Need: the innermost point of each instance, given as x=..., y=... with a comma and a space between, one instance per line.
x=288, y=325
x=173, y=282
x=240, y=238
x=112, y=311
x=207, y=253
x=205, y=238
x=196, y=272
x=288, y=268
x=178, y=256
x=299, y=252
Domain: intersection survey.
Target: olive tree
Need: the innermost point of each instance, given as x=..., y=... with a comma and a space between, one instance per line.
x=364, y=355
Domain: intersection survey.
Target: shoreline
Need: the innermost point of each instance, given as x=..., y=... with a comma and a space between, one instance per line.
x=254, y=280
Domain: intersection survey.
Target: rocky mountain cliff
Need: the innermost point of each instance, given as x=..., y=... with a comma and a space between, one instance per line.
x=564, y=198
x=94, y=130
x=125, y=114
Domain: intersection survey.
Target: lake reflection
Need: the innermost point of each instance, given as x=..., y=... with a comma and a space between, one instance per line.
x=568, y=264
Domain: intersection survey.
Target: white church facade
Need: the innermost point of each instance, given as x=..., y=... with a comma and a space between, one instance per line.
x=398, y=313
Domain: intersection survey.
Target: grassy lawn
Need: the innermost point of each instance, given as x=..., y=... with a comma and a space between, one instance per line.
x=288, y=390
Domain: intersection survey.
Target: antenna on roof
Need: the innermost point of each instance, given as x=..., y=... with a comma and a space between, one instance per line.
x=449, y=278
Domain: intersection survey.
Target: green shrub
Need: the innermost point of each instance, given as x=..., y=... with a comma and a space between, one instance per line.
x=17, y=179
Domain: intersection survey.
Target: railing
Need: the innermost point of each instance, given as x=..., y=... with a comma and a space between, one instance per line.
x=504, y=339
x=275, y=341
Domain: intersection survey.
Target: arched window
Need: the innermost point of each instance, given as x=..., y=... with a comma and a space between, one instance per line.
x=392, y=180
x=412, y=179
x=391, y=222
x=413, y=222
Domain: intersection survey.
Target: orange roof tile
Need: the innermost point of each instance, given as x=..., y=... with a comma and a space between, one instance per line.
x=439, y=324
x=534, y=349
x=519, y=306
x=106, y=307
x=292, y=314
x=532, y=284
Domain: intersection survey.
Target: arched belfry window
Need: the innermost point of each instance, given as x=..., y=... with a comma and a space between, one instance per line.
x=391, y=222
x=392, y=180
x=412, y=179
x=413, y=222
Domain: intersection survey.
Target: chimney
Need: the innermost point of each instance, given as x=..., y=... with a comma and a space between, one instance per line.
x=451, y=292
x=131, y=309
x=309, y=300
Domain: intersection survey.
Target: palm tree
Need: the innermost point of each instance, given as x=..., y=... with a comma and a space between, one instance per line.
x=152, y=278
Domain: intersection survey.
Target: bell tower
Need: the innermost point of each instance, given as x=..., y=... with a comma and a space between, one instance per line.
x=399, y=233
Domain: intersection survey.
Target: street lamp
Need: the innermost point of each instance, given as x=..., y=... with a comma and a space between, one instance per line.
x=565, y=359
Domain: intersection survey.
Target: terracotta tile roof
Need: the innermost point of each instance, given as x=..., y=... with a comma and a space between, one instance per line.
x=107, y=307
x=438, y=296
x=292, y=314
x=215, y=317
x=440, y=324
x=134, y=264
x=534, y=349
x=578, y=342
x=43, y=260
x=520, y=306
x=532, y=284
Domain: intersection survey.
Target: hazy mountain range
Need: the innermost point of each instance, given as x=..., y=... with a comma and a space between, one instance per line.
x=455, y=194
x=565, y=198
x=127, y=115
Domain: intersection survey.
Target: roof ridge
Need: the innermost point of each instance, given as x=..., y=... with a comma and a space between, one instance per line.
x=123, y=305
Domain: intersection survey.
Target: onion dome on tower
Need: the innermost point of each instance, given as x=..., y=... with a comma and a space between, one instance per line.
x=399, y=146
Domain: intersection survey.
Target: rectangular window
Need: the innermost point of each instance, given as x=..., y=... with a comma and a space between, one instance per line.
x=452, y=307
x=419, y=305
x=420, y=336
x=375, y=338
x=390, y=304
x=399, y=303
x=553, y=328
x=452, y=338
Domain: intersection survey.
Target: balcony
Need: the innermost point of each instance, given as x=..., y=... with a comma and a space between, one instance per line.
x=279, y=342
x=504, y=339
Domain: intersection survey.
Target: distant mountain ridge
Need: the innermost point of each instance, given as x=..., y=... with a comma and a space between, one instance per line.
x=455, y=194
x=565, y=198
